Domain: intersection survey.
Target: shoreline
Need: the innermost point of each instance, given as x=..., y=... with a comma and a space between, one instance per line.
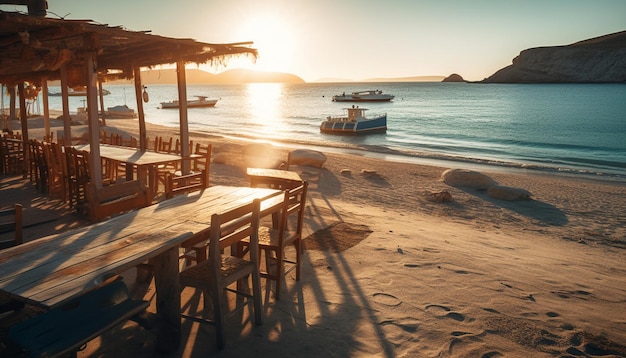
x=405, y=186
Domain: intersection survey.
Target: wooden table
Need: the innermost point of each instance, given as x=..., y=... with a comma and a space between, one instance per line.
x=274, y=178
x=53, y=270
x=146, y=161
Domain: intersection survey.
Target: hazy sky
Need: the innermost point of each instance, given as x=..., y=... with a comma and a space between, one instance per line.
x=359, y=39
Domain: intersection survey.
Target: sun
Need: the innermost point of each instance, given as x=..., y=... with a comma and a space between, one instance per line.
x=274, y=40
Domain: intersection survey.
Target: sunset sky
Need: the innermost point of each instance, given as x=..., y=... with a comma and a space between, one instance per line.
x=360, y=39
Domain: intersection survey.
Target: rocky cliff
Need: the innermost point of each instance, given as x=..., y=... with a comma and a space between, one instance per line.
x=597, y=60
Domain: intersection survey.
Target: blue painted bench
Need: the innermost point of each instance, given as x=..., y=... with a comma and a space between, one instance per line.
x=67, y=328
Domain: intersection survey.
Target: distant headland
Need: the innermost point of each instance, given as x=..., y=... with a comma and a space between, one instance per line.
x=597, y=60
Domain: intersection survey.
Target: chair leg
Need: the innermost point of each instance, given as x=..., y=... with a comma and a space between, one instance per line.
x=298, y=246
x=218, y=317
x=256, y=297
x=280, y=271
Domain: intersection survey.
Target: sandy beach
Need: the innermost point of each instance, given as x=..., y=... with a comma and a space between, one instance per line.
x=390, y=273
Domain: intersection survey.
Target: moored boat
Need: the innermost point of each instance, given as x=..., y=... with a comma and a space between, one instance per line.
x=363, y=96
x=121, y=111
x=201, y=101
x=354, y=123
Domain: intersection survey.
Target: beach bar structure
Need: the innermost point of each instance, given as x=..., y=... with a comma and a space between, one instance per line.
x=36, y=49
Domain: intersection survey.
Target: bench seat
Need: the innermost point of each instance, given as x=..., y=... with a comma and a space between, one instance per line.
x=65, y=329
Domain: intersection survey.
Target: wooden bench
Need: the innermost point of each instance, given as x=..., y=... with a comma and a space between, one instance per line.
x=116, y=199
x=65, y=329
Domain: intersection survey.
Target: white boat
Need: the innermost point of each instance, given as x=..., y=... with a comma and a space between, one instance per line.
x=363, y=96
x=354, y=123
x=121, y=111
x=201, y=101
x=71, y=92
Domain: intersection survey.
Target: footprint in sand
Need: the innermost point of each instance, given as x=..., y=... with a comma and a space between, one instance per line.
x=386, y=299
x=580, y=294
x=444, y=311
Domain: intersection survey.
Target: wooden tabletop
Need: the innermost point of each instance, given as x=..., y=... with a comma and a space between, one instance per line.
x=274, y=178
x=55, y=269
x=134, y=156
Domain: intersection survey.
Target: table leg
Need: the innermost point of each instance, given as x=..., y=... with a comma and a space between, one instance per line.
x=129, y=172
x=168, y=301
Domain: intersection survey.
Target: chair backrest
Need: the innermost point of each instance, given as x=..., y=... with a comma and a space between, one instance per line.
x=204, y=162
x=293, y=205
x=116, y=199
x=230, y=227
x=163, y=145
x=12, y=220
x=178, y=148
x=177, y=184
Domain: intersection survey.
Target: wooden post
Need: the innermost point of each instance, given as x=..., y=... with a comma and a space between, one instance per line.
x=12, y=109
x=24, y=121
x=101, y=103
x=94, y=122
x=182, y=110
x=143, y=145
x=67, y=128
x=46, y=107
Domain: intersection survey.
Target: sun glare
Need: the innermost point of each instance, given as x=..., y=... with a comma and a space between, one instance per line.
x=274, y=41
x=264, y=101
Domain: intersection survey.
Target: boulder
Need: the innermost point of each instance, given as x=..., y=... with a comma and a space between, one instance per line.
x=467, y=178
x=307, y=157
x=508, y=193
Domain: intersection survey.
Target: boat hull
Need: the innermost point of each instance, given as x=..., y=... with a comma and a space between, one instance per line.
x=364, y=96
x=190, y=104
x=360, y=99
x=376, y=125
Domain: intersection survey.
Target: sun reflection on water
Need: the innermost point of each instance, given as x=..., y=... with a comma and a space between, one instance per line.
x=264, y=105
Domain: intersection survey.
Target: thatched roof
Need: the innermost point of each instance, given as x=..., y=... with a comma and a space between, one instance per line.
x=33, y=48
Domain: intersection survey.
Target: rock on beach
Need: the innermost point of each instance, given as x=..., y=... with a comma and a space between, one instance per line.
x=508, y=193
x=467, y=178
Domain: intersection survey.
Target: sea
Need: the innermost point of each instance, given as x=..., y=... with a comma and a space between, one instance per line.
x=578, y=129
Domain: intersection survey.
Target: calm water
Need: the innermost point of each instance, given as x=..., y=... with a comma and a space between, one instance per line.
x=571, y=128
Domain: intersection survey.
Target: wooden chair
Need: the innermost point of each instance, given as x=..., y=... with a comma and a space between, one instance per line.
x=176, y=185
x=115, y=199
x=57, y=183
x=178, y=146
x=196, y=165
x=39, y=166
x=11, y=220
x=273, y=242
x=216, y=275
x=12, y=154
x=78, y=177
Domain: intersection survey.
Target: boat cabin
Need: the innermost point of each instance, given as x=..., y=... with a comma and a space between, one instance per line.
x=356, y=114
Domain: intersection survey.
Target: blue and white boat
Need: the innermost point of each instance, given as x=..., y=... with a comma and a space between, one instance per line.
x=354, y=123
